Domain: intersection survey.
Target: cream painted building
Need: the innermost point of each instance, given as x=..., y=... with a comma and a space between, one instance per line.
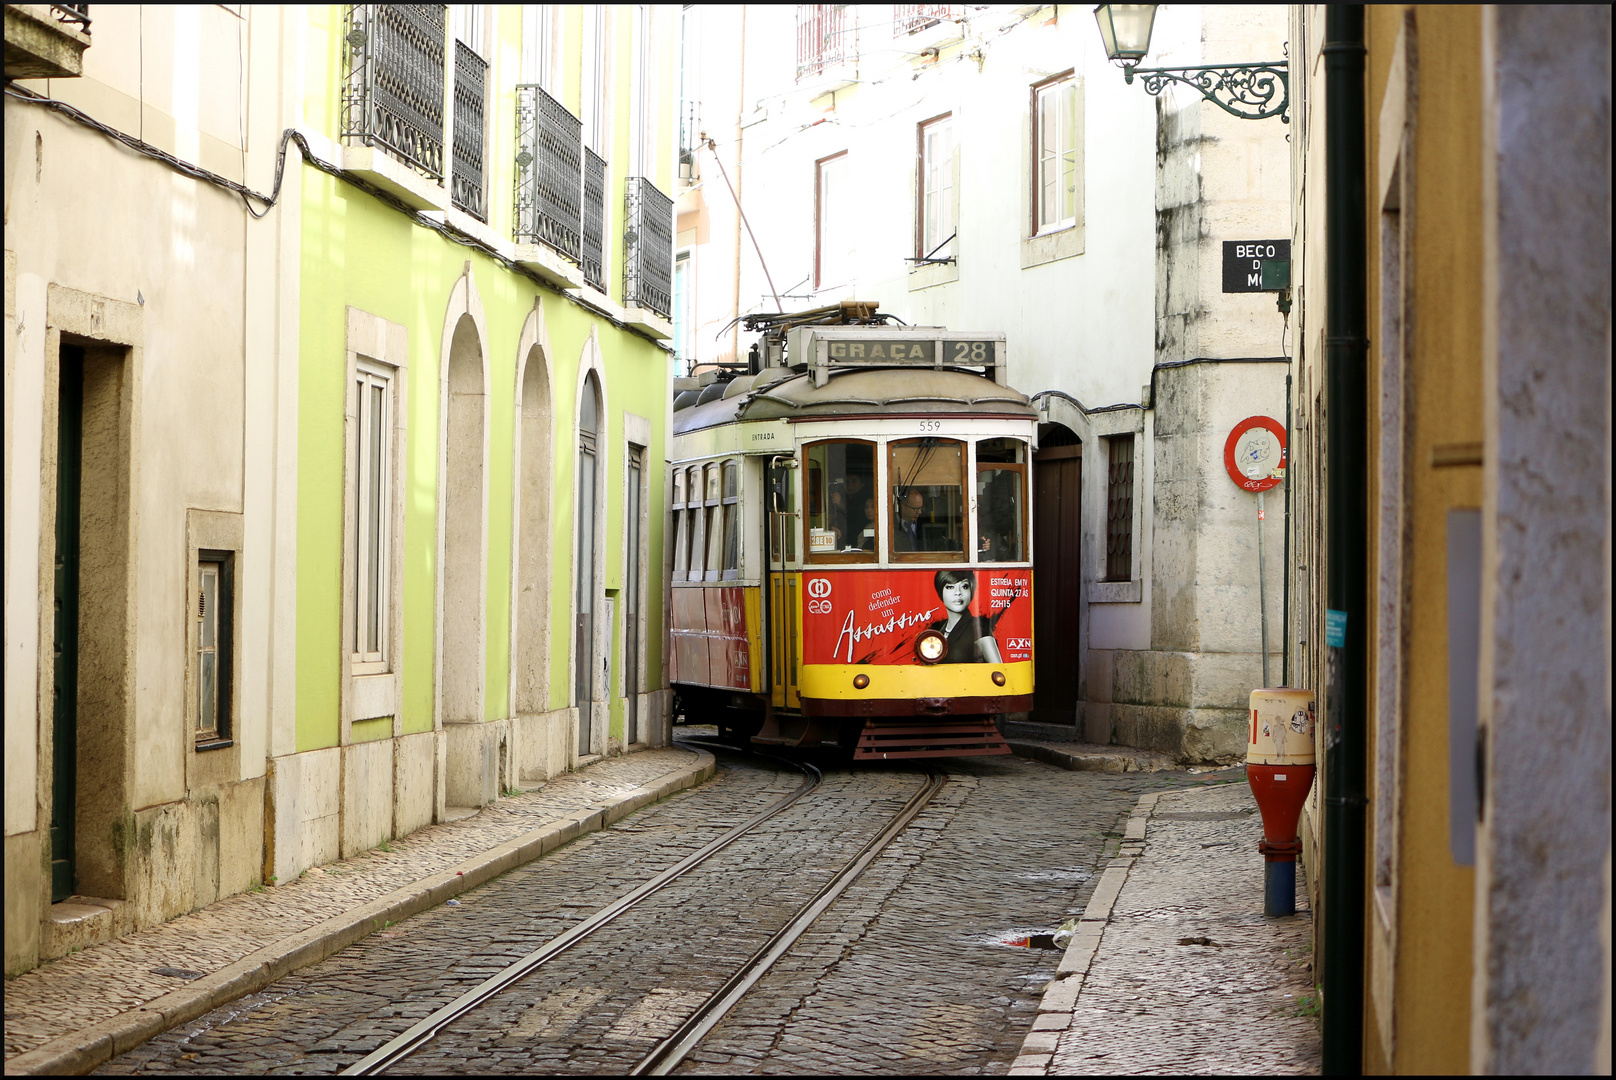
x=986, y=168
x=147, y=395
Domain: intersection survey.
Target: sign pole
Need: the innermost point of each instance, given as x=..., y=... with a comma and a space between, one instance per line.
x=1262, y=588
x=1249, y=456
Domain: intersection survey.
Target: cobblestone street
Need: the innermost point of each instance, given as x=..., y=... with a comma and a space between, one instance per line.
x=911, y=971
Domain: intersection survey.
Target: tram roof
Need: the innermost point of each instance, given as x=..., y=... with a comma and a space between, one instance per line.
x=779, y=393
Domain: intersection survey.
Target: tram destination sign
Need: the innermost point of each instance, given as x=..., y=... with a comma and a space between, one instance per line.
x=1256, y=265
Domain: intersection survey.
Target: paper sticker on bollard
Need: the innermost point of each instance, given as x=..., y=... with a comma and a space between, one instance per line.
x=1281, y=727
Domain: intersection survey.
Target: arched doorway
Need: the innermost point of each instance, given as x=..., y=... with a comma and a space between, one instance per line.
x=585, y=604
x=462, y=486
x=531, y=656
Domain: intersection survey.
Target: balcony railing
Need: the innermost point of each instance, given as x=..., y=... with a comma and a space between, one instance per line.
x=824, y=38
x=549, y=173
x=913, y=18
x=392, y=90
x=73, y=13
x=647, y=247
x=471, y=77
x=689, y=137
x=594, y=220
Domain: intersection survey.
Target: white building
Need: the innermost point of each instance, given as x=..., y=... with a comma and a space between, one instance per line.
x=986, y=168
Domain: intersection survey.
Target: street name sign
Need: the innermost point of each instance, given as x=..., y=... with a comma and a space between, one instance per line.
x=1256, y=265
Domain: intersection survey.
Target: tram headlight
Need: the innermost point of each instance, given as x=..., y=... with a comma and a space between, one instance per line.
x=931, y=646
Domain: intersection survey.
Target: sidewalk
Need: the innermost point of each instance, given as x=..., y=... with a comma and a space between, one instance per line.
x=72, y=1014
x=1174, y=968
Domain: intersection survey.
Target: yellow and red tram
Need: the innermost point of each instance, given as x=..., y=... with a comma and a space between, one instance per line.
x=852, y=546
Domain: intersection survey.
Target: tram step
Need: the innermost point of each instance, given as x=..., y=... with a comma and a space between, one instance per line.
x=891, y=742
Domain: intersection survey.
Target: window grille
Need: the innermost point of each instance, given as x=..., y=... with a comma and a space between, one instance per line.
x=824, y=38
x=392, y=89
x=647, y=247
x=549, y=181
x=594, y=240
x=471, y=76
x=1119, y=510
x=913, y=18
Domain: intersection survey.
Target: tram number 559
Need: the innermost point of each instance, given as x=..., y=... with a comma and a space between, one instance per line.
x=931, y=425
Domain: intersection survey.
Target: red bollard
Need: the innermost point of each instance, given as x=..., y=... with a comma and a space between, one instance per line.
x=1279, y=768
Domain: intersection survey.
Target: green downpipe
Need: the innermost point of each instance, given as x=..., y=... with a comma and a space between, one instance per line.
x=1346, y=402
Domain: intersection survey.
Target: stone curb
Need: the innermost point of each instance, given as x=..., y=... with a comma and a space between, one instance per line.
x=1060, y=996
x=1127, y=761
x=83, y=1050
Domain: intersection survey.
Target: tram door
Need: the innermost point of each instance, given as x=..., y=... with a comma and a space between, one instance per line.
x=584, y=554
x=783, y=526
x=631, y=585
x=1058, y=485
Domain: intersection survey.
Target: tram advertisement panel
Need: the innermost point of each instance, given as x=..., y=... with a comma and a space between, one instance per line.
x=874, y=616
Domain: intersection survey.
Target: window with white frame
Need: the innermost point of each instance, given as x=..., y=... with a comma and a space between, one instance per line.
x=936, y=202
x=1055, y=154
x=536, y=45
x=594, y=77
x=684, y=349
x=372, y=463
x=833, y=248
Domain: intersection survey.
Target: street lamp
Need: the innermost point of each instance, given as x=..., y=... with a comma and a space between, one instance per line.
x=1248, y=91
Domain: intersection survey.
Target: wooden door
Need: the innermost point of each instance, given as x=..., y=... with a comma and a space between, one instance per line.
x=1057, y=582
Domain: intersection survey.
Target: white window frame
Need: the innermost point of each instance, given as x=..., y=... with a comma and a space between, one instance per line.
x=1059, y=93
x=936, y=204
x=374, y=482
x=536, y=45
x=832, y=251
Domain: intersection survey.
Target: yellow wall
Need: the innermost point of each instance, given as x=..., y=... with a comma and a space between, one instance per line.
x=1428, y=947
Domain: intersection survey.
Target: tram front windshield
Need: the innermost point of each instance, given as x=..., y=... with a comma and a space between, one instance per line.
x=927, y=498
x=841, y=498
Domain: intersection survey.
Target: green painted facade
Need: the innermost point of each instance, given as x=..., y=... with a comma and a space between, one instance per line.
x=358, y=251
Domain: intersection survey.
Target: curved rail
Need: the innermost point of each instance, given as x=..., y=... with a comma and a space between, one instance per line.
x=671, y=1051
x=402, y=1045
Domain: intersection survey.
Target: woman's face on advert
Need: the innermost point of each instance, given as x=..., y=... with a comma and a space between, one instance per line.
x=957, y=595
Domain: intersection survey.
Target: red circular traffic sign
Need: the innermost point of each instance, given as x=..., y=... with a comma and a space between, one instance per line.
x=1255, y=453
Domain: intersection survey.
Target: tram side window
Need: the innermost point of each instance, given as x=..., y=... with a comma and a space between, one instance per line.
x=927, y=499
x=681, y=527
x=715, y=534
x=1001, y=480
x=732, y=520
x=694, y=512
x=840, y=479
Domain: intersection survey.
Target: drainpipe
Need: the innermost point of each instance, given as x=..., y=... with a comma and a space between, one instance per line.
x=1347, y=555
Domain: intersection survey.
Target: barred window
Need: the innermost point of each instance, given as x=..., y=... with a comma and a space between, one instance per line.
x=1119, y=510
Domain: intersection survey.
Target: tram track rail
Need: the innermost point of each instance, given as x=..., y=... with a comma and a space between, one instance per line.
x=671, y=1051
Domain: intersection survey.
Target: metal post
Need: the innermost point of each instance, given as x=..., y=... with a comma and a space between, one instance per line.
x=1262, y=589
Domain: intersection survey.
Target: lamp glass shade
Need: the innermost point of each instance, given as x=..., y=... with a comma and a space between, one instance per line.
x=1125, y=29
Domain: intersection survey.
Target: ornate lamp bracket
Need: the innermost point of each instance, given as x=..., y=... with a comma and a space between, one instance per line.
x=1249, y=91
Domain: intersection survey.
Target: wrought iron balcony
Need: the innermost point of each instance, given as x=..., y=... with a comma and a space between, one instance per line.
x=43, y=43
x=825, y=38
x=392, y=89
x=74, y=13
x=912, y=18
x=594, y=219
x=549, y=173
x=647, y=247
x=471, y=77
